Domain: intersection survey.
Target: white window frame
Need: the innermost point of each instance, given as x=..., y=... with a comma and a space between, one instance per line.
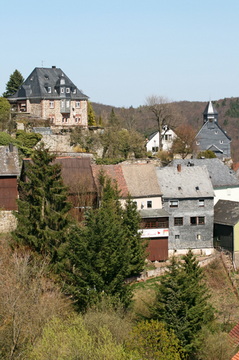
x=78, y=104
x=173, y=203
x=201, y=202
x=62, y=90
x=49, y=90
x=51, y=104
x=67, y=90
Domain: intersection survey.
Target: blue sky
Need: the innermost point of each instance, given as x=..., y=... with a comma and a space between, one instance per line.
x=120, y=52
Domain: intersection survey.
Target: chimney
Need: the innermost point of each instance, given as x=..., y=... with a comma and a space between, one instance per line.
x=53, y=66
x=179, y=167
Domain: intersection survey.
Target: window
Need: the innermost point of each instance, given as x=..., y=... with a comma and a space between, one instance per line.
x=62, y=103
x=149, y=204
x=221, y=141
x=197, y=142
x=51, y=104
x=62, y=90
x=49, y=89
x=67, y=103
x=178, y=221
x=198, y=236
x=177, y=237
x=200, y=203
x=74, y=91
x=201, y=220
x=77, y=119
x=77, y=104
x=197, y=220
x=67, y=90
x=155, y=148
x=173, y=203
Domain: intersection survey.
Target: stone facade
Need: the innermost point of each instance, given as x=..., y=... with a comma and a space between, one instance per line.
x=187, y=235
x=8, y=221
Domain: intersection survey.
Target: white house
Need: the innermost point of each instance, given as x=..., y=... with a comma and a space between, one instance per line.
x=167, y=137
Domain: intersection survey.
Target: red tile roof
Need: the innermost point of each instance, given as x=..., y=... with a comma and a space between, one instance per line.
x=235, y=357
x=234, y=335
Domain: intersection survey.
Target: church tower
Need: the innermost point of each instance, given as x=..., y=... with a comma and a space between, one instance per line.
x=210, y=114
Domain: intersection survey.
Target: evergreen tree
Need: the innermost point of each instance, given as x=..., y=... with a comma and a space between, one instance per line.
x=91, y=115
x=42, y=216
x=137, y=246
x=4, y=113
x=182, y=301
x=99, y=253
x=15, y=81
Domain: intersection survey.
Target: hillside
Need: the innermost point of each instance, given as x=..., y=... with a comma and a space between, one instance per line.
x=190, y=112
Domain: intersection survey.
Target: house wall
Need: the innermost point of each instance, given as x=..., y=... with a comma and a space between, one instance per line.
x=42, y=110
x=142, y=202
x=236, y=237
x=166, y=144
x=227, y=193
x=190, y=236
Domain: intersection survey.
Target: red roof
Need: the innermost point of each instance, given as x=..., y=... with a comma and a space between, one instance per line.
x=234, y=334
x=236, y=356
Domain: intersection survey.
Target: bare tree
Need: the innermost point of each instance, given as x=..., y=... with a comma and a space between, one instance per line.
x=162, y=111
x=184, y=143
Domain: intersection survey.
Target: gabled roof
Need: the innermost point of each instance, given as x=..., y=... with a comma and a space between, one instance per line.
x=9, y=162
x=115, y=173
x=184, y=183
x=37, y=84
x=220, y=174
x=141, y=180
x=226, y=212
x=77, y=174
x=138, y=180
x=215, y=124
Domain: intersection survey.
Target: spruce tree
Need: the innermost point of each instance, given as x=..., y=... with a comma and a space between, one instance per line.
x=42, y=217
x=182, y=301
x=99, y=254
x=15, y=81
x=137, y=246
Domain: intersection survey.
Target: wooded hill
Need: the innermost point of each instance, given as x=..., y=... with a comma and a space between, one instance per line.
x=190, y=112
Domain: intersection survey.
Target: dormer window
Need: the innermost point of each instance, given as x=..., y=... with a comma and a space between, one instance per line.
x=49, y=89
x=67, y=90
x=62, y=90
x=74, y=91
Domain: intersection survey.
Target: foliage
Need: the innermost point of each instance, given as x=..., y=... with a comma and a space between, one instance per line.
x=91, y=115
x=165, y=157
x=6, y=139
x=108, y=161
x=99, y=253
x=152, y=341
x=182, y=301
x=43, y=223
x=184, y=143
x=28, y=140
x=70, y=340
x=15, y=81
x=28, y=301
x=233, y=110
x=207, y=154
x=4, y=113
x=215, y=346
x=137, y=247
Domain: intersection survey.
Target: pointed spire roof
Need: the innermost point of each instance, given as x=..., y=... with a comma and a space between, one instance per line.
x=210, y=110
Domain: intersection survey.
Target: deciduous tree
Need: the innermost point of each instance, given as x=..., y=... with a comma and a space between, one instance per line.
x=184, y=143
x=4, y=113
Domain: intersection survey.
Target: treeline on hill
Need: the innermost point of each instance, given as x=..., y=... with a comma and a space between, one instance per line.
x=188, y=112
x=63, y=288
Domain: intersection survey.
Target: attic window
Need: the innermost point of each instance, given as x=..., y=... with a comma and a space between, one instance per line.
x=197, y=142
x=173, y=203
x=179, y=188
x=74, y=91
x=49, y=89
x=67, y=90
x=197, y=187
x=221, y=141
x=62, y=90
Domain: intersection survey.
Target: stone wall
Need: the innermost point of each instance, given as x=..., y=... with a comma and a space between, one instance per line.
x=58, y=143
x=8, y=221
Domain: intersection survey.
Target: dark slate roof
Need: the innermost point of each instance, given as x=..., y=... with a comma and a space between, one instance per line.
x=220, y=174
x=152, y=135
x=226, y=212
x=209, y=109
x=37, y=83
x=153, y=213
x=9, y=163
x=189, y=182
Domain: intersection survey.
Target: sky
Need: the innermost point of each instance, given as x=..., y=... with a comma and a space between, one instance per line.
x=119, y=52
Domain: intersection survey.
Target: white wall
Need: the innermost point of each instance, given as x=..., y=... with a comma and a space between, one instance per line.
x=167, y=140
x=229, y=193
x=142, y=202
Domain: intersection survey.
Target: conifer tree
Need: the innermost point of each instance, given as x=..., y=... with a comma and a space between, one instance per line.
x=42, y=216
x=99, y=253
x=137, y=246
x=91, y=115
x=182, y=301
x=15, y=81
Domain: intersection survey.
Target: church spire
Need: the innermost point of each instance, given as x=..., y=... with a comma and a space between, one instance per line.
x=210, y=114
